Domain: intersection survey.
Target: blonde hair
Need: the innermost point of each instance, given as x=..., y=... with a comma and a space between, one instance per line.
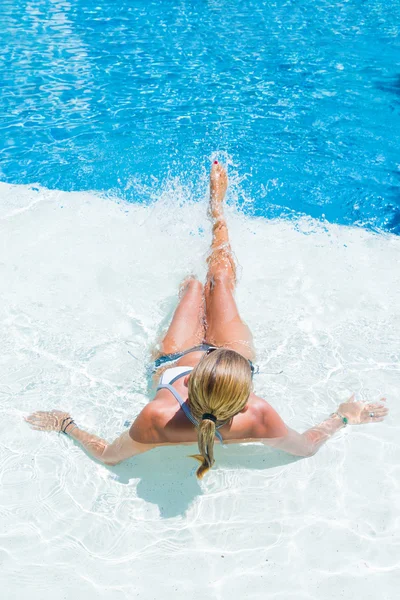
x=219, y=385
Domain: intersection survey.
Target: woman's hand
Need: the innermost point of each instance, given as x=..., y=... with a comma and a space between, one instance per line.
x=47, y=420
x=358, y=413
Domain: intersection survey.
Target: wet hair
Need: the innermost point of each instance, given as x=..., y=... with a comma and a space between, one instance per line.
x=219, y=388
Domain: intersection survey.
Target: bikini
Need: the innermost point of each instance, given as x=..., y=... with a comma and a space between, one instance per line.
x=166, y=358
x=171, y=375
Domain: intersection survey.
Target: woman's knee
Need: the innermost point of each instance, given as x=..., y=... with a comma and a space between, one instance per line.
x=192, y=286
x=220, y=280
x=196, y=285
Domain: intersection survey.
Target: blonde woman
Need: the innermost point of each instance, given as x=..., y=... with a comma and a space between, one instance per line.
x=205, y=394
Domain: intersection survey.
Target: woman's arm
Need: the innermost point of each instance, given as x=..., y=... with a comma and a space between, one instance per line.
x=309, y=442
x=110, y=454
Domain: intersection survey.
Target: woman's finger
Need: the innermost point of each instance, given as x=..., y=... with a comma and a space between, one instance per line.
x=35, y=417
x=33, y=421
x=38, y=421
x=31, y=417
x=375, y=406
x=38, y=425
x=377, y=412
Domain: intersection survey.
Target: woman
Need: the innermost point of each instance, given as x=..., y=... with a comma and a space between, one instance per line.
x=208, y=392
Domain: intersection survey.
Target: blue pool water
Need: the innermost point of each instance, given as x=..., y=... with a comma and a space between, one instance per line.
x=301, y=97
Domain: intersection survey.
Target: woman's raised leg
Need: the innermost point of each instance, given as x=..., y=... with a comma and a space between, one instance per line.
x=187, y=326
x=224, y=326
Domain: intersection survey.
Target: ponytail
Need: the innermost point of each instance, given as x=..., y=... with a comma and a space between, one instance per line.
x=218, y=389
x=205, y=440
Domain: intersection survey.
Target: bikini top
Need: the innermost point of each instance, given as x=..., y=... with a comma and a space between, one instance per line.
x=182, y=402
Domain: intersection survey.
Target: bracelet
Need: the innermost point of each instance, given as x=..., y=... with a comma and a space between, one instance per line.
x=63, y=427
x=70, y=423
x=75, y=426
x=344, y=419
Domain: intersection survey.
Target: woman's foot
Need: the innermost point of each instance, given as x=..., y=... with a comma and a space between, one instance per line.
x=218, y=186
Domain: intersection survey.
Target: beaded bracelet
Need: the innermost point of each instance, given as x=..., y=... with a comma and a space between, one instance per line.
x=344, y=419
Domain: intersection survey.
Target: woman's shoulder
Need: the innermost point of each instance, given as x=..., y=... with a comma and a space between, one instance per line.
x=266, y=421
x=148, y=424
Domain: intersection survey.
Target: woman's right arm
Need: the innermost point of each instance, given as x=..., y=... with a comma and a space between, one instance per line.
x=140, y=438
x=309, y=442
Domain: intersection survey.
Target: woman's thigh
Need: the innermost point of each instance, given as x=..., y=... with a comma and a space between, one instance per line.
x=187, y=326
x=224, y=324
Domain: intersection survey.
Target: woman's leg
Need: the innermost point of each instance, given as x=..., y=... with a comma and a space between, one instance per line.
x=224, y=325
x=187, y=326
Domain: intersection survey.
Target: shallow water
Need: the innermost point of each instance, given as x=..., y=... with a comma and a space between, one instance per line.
x=83, y=280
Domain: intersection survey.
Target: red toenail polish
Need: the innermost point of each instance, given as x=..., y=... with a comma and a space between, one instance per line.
x=215, y=162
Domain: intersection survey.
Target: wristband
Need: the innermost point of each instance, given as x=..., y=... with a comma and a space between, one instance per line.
x=64, y=426
x=344, y=419
x=72, y=422
x=74, y=426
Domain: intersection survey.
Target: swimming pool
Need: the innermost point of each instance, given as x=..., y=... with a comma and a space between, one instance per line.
x=110, y=115
x=303, y=96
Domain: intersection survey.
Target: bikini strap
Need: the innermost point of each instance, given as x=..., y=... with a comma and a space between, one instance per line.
x=183, y=405
x=198, y=348
x=179, y=376
x=176, y=355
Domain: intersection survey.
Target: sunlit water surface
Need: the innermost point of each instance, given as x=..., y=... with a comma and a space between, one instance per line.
x=303, y=95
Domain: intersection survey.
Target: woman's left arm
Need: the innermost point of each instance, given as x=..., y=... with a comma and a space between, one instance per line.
x=110, y=454
x=309, y=442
